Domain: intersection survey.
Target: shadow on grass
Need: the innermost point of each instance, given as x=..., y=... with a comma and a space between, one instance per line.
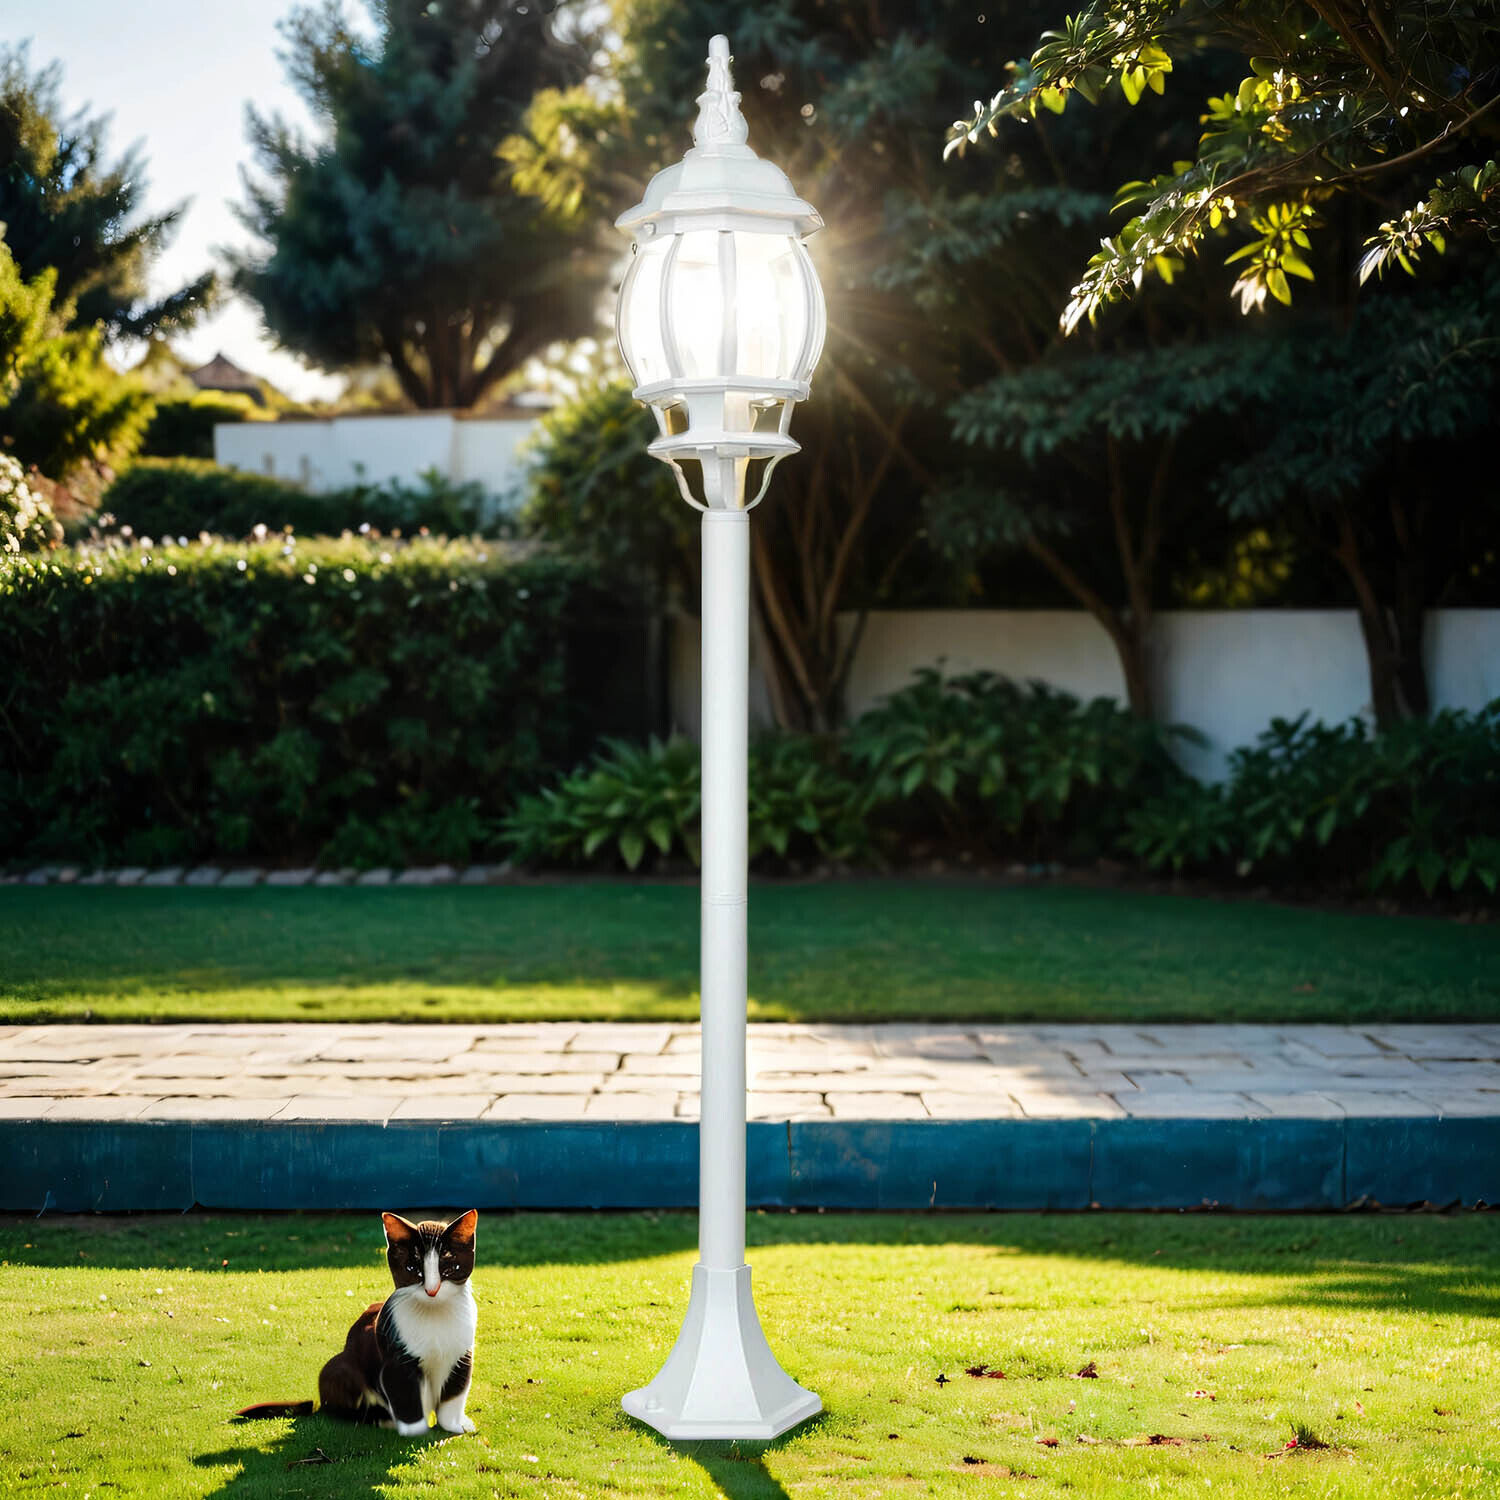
x=738, y=1469
x=314, y=1455
x=1423, y=1264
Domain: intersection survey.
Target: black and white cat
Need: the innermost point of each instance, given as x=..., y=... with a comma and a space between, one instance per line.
x=413, y=1354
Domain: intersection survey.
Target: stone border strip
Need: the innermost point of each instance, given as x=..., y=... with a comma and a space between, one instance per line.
x=253, y=875
x=1255, y=1165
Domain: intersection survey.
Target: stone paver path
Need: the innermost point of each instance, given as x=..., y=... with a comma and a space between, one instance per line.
x=609, y=1071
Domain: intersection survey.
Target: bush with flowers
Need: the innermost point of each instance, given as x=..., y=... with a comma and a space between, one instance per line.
x=26, y=518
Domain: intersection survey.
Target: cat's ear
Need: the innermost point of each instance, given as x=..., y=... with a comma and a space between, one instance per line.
x=397, y=1228
x=461, y=1230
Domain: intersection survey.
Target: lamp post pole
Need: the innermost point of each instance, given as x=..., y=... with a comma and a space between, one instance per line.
x=721, y=322
x=723, y=940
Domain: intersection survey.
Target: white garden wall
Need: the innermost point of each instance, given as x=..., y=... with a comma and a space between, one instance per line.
x=1227, y=673
x=325, y=454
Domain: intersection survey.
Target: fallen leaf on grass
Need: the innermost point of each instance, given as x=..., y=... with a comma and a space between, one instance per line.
x=1442, y=1411
x=983, y=1372
x=1359, y=1406
x=1204, y=1396
x=1047, y=1442
x=1089, y=1372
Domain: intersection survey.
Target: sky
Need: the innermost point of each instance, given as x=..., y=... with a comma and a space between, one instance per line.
x=175, y=76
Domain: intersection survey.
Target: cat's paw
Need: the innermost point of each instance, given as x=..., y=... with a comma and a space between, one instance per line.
x=411, y=1429
x=460, y=1425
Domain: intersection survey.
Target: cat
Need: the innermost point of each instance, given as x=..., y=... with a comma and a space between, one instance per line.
x=412, y=1354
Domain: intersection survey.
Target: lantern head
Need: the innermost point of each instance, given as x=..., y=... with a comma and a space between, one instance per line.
x=721, y=316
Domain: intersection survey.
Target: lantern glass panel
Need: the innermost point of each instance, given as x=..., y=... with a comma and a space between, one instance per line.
x=773, y=303
x=639, y=317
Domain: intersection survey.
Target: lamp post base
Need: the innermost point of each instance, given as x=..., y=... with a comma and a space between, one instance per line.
x=721, y=1379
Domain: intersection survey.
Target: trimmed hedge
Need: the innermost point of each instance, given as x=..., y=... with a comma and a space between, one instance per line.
x=350, y=699
x=182, y=497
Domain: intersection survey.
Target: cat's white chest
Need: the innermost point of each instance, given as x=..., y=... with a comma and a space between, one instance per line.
x=437, y=1331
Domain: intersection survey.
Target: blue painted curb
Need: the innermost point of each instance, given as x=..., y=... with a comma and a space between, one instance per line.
x=103, y=1166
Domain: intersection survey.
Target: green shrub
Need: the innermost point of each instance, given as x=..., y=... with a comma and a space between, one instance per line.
x=370, y=701
x=186, y=496
x=184, y=427
x=1415, y=806
x=1021, y=769
x=635, y=801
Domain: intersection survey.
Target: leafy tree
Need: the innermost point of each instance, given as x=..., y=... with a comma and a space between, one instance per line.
x=400, y=235
x=1340, y=100
x=65, y=208
x=61, y=406
x=843, y=98
x=1388, y=471
x=1099, y=444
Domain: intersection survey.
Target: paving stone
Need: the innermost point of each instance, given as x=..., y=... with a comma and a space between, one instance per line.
x=557, y=1062
x=630, y=1106
x=290, y=877
x=68, y=875
x=428, y=875
x=578, y=1085
x=338, y=1107
x=334, y=877
x=667, y=1065
x=238, y=878
x=641, y=1039
x=203, y=875
x=1385, y=1103
x=1462, y=1104
x=99, y=877
x=1199, y=1106
x=380, y=876
x=196, y=1107
x=500, y=1048
x=533, y=1107
x=106, y=1107
x=484, y=874
x=167, y=875
x=131, y=875
x=875, y=1106
x=1337, y=1041
x=38, y=877
x=1297, y=1106
x=761, y=1106
x=1057, y=1106
x=443, y=1107
x=935, y=1044
x=944, y=1105
x=869, y=1081
x=1416, y=1040
x=25, y=1107
x=1457, y=1074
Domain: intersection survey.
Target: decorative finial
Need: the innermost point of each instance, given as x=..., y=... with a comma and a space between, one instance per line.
x=719, y=121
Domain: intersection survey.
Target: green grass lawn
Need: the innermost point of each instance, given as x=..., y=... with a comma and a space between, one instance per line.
x=846, y=951
x=127, y=1343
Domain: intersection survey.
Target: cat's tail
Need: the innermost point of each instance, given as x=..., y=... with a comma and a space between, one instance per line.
x=277, y=1409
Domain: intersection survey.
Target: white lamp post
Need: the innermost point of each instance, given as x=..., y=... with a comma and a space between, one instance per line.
x=721, y=321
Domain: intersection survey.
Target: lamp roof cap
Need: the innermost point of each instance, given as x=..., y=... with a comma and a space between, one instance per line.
x=721, y=174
